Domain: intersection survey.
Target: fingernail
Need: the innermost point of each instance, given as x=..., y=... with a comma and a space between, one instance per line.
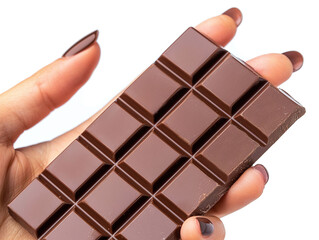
x=206, y=226
x=235, y=14
x=295, y=58
x=263, y=172
x=82, y=44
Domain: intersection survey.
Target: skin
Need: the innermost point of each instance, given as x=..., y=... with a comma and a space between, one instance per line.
x=27, y=103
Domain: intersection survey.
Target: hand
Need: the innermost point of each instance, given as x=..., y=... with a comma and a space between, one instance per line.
x=29, y=102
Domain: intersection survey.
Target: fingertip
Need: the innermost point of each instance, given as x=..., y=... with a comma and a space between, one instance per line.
x=220, y=29
x=245, y=190
x=82, y=64
x=91, y=55
x=62, y=78
x=263, y=172
x=190, y=229
x=203, y=227
x=235, y=14
x=295, y=58
x=250, y=185
x=274, y=67
x=82, y=44
x=96, y=49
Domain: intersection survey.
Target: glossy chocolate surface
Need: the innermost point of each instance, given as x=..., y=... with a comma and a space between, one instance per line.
x=168, y=148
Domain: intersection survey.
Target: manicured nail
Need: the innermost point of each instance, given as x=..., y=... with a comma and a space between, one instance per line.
x=206, y=226
x=263, y=172
x=295, y=58
x=235, y=14
x=82, y=44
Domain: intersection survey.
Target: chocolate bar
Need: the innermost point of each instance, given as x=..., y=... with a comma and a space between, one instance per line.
x=168, y=148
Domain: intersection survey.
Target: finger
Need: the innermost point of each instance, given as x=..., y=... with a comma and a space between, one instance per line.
x=245, y=190
x=30, y=101
x=208, y=228
x=275, y=67
x=222, y=28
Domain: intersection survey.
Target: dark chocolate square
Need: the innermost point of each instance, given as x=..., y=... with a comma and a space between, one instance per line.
x=115, y=131
x=228, y=82
x=74, y=170
x=228, y=152
x=151, y=162
x=190, y=54
x=74, y=227
x=153, y=93
x=110, y=200
x=266, y=113
x=184, y=194
x=150, y=223
x=35, y=206
x=189, y=122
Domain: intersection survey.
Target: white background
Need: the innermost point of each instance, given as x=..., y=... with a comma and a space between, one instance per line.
x=133, y=34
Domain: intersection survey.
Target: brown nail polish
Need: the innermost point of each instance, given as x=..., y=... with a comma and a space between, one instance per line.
x=82, y=44
x=206, y=226
x=263, y=171
x=295, y=58
x=235, y=14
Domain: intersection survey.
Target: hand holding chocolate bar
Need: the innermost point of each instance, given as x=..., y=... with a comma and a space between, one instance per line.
x=169, y=148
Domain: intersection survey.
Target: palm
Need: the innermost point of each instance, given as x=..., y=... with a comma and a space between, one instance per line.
x=29, y=102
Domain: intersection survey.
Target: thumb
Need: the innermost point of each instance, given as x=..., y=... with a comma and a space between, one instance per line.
x=203, y=227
